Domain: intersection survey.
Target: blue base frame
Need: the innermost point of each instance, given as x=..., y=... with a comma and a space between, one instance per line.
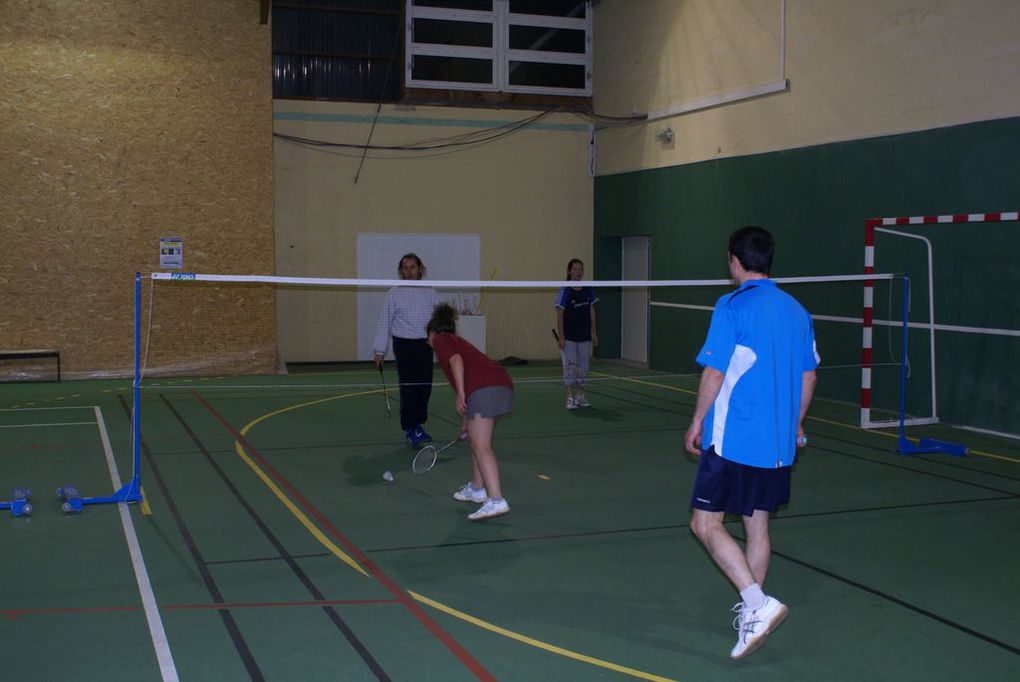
x=926, y=446
x=923, y=446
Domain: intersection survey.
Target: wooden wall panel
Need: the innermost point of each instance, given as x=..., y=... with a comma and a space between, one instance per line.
x=124, y=122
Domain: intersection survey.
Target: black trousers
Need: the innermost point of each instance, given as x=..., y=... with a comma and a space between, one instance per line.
x=414, y=371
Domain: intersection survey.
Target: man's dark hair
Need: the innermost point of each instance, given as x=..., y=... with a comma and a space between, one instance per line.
x=753, y=247
x=444, y=319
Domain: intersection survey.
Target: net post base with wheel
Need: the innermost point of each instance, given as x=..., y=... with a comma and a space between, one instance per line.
x=20, y=503
x=72, y=501
x=926, y=446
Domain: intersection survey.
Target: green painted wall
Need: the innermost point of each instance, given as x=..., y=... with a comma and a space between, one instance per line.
x=815, y=201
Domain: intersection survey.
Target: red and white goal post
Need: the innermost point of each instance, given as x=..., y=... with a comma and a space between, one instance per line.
x=871, y=227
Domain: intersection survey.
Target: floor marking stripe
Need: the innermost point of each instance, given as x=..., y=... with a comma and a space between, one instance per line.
x=462, y=654
x=280, y=495
x=536, y=643
x=980, y=453
x=29, y=426
x=240, y=449
x=156, y=631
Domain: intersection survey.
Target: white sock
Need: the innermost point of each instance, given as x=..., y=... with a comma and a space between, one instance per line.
x=753, y=597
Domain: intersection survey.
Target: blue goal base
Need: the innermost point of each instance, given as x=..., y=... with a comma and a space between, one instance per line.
x=926, y=446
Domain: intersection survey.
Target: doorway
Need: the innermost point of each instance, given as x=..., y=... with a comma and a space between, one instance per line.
x=634, y=300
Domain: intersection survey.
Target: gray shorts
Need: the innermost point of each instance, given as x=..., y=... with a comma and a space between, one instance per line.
x=490, y=402
x=575, y=356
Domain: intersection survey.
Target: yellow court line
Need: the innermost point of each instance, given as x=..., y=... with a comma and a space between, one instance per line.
x=536, y=643
x=340, y=554
x=280, y=495
x=980, y=453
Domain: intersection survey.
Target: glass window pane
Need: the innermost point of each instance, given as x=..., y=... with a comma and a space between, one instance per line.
x=335, y=78
x=479, y=5
x=549, y=8
x=464, y=33
x=547, y=75
x=546, y=39
x=453, y=69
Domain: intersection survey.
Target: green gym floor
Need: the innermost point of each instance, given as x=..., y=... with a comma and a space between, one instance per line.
x=268, y=545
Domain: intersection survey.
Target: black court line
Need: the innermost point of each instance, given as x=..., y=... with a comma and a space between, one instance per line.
x=240, y=645
x=804, y=564
x=900, y=602
x=927, y=460
x=679, y=526
x=405, y=599
x=352, y=639
x=914, y=470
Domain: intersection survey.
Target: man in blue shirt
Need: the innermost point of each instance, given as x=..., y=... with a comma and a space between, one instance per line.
x=759, y=376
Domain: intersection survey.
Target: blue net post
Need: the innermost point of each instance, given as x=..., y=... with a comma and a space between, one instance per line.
x=923, y=445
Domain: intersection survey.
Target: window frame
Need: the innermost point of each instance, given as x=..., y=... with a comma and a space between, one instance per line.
x=500, y=55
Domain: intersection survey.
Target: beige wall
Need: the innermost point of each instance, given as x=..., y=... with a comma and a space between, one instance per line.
x=856, y=70
x=122, y=123
x=528, y=195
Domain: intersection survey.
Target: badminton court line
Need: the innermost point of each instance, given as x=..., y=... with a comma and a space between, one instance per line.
x=306, y=581
x=156, y=631
x=831, y=422
x=241, y=443
x=243, y=447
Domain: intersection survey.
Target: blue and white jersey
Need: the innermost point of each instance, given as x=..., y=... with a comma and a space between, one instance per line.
x=576, y=304
x=763, y=341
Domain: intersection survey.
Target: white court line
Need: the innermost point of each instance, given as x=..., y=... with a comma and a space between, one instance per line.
x=156, y=631
x=991, y=331
x=36, y=409
x=28, y=426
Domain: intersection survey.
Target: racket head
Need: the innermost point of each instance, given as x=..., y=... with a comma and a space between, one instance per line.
x=424, y=460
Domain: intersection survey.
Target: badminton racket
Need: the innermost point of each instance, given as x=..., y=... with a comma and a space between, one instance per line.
x=386, y=395
x=426, y=458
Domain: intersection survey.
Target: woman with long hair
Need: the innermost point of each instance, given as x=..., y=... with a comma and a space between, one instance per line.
x=404, y=317
x=484, y=392
x=575, y=326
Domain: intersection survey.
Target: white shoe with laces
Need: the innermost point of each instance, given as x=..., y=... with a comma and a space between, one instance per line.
x=571, y=404
x=754, y=626
x=582, y=401
x=489, y=509
x=467, y=493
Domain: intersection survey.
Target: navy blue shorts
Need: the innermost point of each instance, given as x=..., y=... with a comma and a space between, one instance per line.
x=725, y=486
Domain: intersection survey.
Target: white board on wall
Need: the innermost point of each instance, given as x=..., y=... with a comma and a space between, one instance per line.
x=446, y=256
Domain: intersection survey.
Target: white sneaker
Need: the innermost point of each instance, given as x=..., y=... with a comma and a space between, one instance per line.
x=581, y=401
x=571, y=404
x=489, y=509
x=467, y=493
x=754, y=626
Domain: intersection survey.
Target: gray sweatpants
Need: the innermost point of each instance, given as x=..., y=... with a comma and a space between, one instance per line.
x=575, y=356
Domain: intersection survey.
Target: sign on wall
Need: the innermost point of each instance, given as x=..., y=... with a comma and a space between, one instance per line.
x=171, y=252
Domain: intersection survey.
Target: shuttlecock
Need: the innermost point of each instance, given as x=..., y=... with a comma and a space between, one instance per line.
x=388, y=476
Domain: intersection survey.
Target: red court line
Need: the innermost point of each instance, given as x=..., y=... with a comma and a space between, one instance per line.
x=275, y=604
x=469, y=661
x=14, y=614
